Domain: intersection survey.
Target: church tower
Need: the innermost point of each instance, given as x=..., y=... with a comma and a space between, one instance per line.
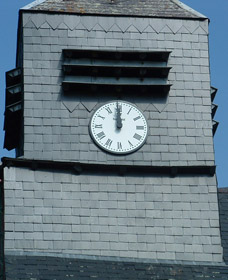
x=110, y=112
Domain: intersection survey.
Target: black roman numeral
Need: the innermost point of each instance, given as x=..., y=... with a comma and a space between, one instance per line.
x=131, y=145
x=137, y=136
x=136, y=118
x=129, y=111
x=101, y=135
x=99, y=116
x=98, y=126
x=108, y=143
x=108, y=110
x=119, y=146
x=140, y=127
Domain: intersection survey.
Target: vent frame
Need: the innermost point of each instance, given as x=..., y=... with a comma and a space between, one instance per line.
x=93, y=71
x=13, y=109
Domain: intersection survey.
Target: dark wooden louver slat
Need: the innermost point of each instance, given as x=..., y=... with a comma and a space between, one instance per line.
x=117, y=55
x=72, y=88
x=116, y=70
x=89, y=71
x=214, y=108
x=213, y=93
x=13, y=94
x=215, y=126
x=13, y=77
x=13, y=109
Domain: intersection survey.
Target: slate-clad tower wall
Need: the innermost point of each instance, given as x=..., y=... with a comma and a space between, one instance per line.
x=99, y=215
x=158, y=203
x=56, y=126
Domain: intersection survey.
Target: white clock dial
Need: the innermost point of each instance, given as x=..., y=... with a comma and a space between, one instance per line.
x=118, y=127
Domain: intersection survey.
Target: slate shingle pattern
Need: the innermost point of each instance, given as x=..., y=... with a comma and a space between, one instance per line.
x=56, y=126
x=154, y=217
x=1, y=225
x=223, y=213
x=49, y=268
x=150, y=8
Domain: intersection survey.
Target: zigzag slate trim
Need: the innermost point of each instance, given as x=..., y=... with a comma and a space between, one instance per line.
x=90, y=23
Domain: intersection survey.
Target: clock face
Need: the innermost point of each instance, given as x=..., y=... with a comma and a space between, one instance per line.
x=118, y=127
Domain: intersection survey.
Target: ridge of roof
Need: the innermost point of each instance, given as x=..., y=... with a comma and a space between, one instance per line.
x=146, y=8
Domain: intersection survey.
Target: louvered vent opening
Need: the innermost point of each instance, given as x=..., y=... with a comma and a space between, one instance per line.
x=13, y=109
x=214, y=108
x=92, y=71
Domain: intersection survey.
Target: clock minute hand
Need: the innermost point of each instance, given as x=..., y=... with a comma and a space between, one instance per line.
x=118, y=119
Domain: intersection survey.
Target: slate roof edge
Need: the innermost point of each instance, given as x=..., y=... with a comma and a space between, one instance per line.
x=111, y=259
x=118, y=169
x=108, y=15
x=33, y=4
x=199, y=16
x=189, y=9
x=223, y=190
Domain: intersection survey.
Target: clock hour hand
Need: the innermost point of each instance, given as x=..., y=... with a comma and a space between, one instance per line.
x=118, y=117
